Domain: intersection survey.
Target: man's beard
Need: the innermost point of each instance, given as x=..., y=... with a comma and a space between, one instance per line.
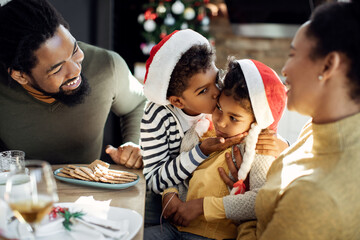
x=75, y=97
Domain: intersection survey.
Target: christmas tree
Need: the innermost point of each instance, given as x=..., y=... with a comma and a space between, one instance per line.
x=162, y=17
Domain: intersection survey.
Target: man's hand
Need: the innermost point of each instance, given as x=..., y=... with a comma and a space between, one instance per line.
x=269, y=144
x=172, y=206
x=215, y=144
x=128, y=155
x=188, y=211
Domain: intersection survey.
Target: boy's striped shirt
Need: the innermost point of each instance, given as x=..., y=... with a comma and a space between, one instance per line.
x=161, y=135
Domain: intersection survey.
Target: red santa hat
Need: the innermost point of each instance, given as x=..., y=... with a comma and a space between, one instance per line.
x=267, y=92
x=268, y=100
x=163, y=58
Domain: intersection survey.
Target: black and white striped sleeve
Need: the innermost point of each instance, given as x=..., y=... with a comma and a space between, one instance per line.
x=161, y=136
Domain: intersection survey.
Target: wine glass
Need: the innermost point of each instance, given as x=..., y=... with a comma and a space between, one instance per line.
x=30, y=192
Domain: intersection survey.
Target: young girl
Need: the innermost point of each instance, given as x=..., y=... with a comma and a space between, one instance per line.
x=253, y=98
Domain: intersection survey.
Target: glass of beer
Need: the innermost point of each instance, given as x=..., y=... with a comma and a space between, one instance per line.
x=30, y=192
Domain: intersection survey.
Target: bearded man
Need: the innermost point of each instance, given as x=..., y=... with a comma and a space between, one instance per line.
x=56, y=93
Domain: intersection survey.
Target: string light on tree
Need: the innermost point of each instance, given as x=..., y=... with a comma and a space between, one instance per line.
x=162, y=17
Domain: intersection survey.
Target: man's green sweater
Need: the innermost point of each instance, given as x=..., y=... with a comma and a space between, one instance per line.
x=61, y=134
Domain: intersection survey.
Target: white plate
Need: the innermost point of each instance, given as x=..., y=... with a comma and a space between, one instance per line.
x=114, y=214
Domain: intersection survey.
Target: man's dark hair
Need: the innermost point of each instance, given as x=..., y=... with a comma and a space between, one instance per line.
x=24, y=26
x=195, y=60
x=336, y=27
x=235, y=85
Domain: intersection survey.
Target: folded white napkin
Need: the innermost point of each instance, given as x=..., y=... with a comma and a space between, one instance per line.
x=93, y=207
x=94, y=225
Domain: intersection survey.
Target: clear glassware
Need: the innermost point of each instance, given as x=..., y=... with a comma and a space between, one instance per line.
x=11, y=158
x=30, y=192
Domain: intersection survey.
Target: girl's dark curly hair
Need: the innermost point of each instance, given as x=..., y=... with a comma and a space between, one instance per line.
x=235, y=85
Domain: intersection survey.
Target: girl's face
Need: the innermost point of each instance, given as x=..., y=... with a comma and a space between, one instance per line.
x=202, y=93
x=230, y=118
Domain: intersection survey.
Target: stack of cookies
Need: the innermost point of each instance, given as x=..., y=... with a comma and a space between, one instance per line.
x=97, y=171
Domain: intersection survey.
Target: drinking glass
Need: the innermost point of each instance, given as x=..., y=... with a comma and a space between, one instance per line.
x=9, y=160
x=30, y=192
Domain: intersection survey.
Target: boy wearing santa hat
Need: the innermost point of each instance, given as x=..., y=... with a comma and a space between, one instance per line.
x=181, y=84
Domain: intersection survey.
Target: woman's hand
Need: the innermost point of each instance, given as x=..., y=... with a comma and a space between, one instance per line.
x=269, y=144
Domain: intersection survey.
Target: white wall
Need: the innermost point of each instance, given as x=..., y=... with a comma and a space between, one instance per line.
x=290, y=125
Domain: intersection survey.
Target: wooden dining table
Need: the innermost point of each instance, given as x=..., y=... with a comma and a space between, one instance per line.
x=131, y=198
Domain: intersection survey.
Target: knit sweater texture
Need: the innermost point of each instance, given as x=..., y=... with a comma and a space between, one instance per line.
x=62, y=134
x=312, y=189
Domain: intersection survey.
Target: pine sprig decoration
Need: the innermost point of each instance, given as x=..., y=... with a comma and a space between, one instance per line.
x=69, y=218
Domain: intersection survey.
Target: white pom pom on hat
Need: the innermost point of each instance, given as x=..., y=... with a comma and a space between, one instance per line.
x=163, y=58
x=268, y=99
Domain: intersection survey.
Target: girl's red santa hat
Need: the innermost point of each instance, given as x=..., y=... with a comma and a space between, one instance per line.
x=268, y=100
x=163, y=58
